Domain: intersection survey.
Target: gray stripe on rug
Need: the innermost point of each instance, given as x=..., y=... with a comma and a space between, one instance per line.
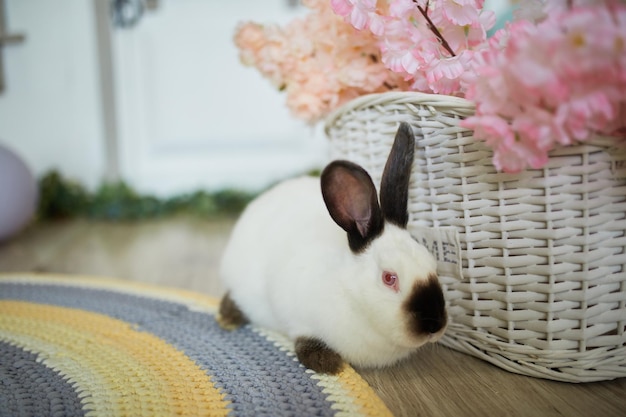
x=20, y=371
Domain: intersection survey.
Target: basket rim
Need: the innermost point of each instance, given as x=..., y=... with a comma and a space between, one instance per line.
x=443, y=102
x=440, y=101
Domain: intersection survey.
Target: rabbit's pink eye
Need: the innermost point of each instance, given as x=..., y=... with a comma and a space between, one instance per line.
x=390, y=279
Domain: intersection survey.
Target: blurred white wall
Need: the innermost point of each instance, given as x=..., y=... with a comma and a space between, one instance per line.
x=174, y=111
x=50, y=111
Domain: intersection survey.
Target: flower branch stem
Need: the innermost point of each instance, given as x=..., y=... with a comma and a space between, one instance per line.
x=433, y=28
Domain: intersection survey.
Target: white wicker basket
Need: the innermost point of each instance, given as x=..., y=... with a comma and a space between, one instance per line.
x=533, y=264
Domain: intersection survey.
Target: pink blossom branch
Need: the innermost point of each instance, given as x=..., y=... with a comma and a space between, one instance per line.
x=433, y=28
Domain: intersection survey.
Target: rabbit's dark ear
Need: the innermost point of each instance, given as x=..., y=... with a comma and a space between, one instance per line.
x=394, y=186
x=351, y=199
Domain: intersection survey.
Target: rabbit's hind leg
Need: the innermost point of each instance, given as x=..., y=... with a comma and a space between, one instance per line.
x=229, y=316
x=318, y=356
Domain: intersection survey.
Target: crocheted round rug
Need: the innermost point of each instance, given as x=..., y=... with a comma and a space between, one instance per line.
x=73, y=346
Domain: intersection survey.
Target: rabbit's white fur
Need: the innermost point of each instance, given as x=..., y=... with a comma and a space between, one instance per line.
x=288, y=267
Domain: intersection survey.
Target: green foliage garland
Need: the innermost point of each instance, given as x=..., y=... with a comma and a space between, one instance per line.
x=59, y=198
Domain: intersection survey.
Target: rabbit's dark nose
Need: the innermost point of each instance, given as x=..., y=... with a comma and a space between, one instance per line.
x=431, y=325
x=426, y=307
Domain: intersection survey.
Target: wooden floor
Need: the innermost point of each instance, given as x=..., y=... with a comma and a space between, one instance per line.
x=184, y=252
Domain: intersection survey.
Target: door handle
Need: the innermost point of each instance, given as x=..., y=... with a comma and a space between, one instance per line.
x=6, y=39
x=10, y=39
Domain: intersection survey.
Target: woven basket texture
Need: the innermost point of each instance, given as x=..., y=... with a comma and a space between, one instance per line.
x=533, y=264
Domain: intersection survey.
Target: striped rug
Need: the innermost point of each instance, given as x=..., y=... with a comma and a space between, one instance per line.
x=73, y=346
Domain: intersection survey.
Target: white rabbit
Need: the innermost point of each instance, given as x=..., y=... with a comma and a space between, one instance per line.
x=350, y=286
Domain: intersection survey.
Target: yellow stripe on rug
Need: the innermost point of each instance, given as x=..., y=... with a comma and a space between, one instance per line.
x=97, y=353
x=349, y=384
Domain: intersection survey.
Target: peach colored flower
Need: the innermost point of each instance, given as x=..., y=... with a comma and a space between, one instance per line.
x=319, y=61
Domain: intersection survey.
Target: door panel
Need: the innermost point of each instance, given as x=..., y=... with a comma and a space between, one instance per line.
x=191, y=115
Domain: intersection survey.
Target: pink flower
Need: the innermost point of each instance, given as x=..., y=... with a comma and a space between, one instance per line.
x=556, y=82
x=461, y=12
x=443, y=75
x=342, y=7
x=554, y=78
x=359, y=13
x=579, y=117
x=422, y=40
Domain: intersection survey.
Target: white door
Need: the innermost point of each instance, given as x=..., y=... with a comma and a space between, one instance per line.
x=190, y=115
x=50, y=107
